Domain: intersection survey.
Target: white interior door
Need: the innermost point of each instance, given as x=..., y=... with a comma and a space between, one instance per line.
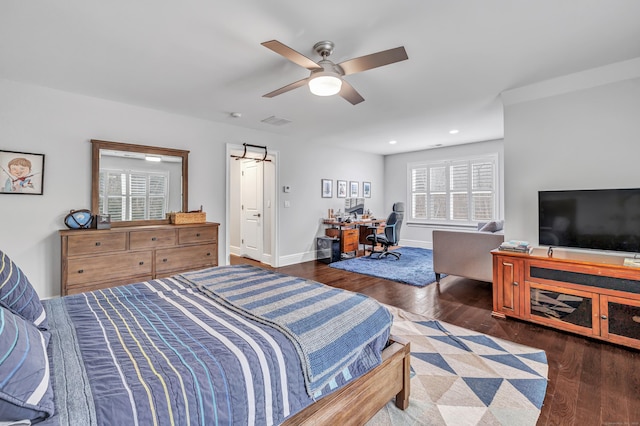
x=251, y=227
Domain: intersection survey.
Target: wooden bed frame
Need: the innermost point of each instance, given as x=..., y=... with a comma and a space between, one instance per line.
x=361, y=399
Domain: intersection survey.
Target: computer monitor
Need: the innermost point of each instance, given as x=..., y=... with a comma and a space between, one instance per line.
x=354, y=206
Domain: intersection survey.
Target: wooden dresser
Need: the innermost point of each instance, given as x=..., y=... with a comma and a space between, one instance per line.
x=94, y=259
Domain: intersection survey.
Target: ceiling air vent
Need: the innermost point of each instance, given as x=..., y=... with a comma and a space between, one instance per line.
x=276, y=121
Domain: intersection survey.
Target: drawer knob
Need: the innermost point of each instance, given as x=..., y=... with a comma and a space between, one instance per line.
x=141, y=263
x=208, y=254
x=164, y=260
x=98, y=243
x=604, y=317
x=80, y=271
x=198, y=234
x=153, y=238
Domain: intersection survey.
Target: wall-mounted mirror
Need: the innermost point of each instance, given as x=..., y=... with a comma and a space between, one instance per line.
x=138, y=184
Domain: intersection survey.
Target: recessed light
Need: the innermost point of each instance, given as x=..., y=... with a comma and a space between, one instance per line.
x=393, y=142
x=454, y=131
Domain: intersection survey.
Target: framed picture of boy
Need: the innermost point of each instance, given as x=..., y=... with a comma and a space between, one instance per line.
x=21, y=173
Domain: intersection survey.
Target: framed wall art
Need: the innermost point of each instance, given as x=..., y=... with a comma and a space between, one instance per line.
x=21, y=173
x=327, y=188
x=341, y=191
x=366, y=189
x=354, y=188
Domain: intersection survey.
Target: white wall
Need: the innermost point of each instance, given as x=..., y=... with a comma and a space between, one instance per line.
x=307, y=166
x=583, y=138
x=60, y=125
x=396, y=182
x=302, y=167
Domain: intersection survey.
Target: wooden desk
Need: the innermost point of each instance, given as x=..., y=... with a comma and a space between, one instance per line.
x=351, y=234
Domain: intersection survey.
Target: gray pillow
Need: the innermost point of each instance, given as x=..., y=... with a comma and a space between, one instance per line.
x=25, y=387
x=493, y=226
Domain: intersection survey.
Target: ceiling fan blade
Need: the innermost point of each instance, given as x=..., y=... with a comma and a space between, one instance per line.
x=349, y=93
x=374, y=60
x=290, y=54
x=287, y=88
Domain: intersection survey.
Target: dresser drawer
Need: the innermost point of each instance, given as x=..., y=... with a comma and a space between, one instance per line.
x=182, y=258
x=152, y=238
x=109, y=267
x=96, y=243
x=197, y=235
x=98, y=285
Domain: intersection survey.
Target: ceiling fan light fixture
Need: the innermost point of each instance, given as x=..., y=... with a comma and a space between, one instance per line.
x=325, y=84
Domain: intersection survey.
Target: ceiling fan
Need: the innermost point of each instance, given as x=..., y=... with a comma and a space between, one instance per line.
x=326, y=77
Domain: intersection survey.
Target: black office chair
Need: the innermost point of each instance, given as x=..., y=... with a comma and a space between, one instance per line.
x=391, y=234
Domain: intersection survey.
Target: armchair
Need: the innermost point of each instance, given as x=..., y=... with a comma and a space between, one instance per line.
x=391, y=234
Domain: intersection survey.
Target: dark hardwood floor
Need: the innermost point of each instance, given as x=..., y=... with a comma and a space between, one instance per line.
x=590, y=382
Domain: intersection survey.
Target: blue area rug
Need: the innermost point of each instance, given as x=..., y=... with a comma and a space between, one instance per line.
x=415, y=266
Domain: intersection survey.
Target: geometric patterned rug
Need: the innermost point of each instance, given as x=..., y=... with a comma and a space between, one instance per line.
x=462, y=377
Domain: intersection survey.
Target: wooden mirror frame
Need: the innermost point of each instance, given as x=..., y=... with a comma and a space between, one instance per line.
x=118, y=146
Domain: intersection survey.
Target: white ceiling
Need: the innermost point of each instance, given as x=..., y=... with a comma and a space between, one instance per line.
x=203, y=58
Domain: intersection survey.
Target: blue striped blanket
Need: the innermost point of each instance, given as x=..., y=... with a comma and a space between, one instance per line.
x=170, y=352
x=329, y=327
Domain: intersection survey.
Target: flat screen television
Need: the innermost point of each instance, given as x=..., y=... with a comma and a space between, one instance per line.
x=601, y=219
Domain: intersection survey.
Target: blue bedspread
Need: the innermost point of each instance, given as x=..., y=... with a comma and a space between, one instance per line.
x=329, y=327
x=167, y=352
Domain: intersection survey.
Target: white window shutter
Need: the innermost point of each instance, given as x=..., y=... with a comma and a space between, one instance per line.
x=419, y=193
x=461, y=191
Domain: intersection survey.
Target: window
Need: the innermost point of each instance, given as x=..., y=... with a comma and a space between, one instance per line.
x=462, y=191
x=124, y=196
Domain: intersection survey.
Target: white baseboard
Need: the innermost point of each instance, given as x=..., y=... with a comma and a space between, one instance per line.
x=292, y=259
x=416, y=243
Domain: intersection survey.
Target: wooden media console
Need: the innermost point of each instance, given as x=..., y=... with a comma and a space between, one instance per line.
x=593, y=295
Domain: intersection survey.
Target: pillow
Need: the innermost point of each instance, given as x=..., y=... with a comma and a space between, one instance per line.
x=25, y=388
x=17, y=293
x=493, y=226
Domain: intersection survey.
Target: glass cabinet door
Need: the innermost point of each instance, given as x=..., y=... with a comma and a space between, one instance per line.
x=560, y=307
x=621, y=320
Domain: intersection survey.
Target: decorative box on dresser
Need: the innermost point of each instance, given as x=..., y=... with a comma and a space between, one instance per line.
x=590, y=294
x=100, y=258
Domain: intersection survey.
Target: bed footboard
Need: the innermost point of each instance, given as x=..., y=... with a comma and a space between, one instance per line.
x=361, y=399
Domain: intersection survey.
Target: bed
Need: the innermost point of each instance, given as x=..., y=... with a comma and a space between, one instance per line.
x=224, y=345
